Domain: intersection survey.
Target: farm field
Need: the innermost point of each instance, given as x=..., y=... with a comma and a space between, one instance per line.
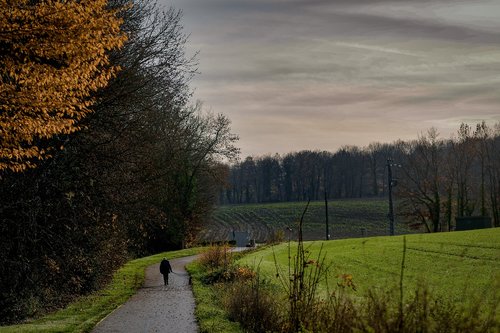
x=347, y=219
x=460, y=267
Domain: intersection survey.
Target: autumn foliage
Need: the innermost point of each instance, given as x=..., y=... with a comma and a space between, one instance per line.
x=54, y=55
x=139, y=177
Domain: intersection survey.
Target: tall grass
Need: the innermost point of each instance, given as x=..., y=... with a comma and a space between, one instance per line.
x=213, y=275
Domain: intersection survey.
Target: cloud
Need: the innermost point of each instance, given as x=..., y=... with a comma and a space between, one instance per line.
x=319, y=74
x=378, y=49
x=481, y=94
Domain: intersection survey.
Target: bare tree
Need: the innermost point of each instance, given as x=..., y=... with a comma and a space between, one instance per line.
x=488, y=141
x=421, y=188
x=464, y=156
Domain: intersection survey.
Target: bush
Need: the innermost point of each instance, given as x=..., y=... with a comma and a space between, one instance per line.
x=217, y=257
x=276, y=236
x=254, y=304
x=219, y=262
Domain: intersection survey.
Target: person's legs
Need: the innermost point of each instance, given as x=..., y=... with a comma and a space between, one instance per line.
x=165, y=279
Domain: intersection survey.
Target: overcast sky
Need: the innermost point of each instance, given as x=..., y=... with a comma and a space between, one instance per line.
x=320, y=74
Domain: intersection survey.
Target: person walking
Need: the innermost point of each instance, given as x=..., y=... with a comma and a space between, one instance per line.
x=165, y=269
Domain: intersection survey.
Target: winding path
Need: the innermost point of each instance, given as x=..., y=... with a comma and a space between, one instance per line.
x=155, y=307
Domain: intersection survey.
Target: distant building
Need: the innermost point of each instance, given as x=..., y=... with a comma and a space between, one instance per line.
x=242, y=238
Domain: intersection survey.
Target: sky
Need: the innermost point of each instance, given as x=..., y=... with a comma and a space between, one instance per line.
x=322, y=74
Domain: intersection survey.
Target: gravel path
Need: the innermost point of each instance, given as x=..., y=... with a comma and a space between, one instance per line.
x=157, y=308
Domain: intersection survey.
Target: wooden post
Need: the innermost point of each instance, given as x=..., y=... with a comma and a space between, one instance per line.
x=391, y=207
x=326, y=217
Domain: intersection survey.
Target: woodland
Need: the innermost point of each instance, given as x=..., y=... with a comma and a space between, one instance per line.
x=103, y=155
x=434, y=180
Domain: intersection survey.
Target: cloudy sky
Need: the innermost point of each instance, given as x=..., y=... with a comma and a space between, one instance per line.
x=320, y=74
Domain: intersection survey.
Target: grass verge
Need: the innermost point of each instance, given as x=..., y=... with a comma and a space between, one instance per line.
x=211, y=316
x=83, y=314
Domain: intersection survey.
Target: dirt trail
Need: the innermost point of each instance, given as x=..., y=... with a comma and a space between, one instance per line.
x=157, y=308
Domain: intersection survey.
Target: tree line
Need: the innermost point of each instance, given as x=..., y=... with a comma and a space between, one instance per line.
x=435, y=179
x=104, y=156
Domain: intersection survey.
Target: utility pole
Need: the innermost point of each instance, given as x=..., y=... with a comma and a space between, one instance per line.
x=326, y=215
x=391, y=208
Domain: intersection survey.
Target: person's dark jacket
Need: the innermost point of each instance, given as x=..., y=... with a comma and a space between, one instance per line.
x=165, y=267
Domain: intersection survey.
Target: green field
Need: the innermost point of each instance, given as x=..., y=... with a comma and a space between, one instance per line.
x=457, y=266
x=347, y=218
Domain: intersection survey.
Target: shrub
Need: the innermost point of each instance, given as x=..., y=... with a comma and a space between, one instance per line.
x=276, y=236
x=216, y=257
x=254, y=304
x=228, y=274
x=219, y=260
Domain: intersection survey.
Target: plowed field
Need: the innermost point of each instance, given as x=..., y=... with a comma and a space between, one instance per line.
x=347, y=219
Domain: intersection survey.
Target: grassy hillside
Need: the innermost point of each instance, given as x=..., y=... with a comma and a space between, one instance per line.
x=347, y=218
x=457, y=266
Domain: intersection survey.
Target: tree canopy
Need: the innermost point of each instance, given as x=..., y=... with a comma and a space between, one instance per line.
x=140, y=175
x=53, y=55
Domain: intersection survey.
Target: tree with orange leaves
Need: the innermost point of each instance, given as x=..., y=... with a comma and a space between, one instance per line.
x=54, y=54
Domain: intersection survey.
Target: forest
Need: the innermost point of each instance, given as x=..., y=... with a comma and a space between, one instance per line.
x=104, y=156
x=434, y=180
